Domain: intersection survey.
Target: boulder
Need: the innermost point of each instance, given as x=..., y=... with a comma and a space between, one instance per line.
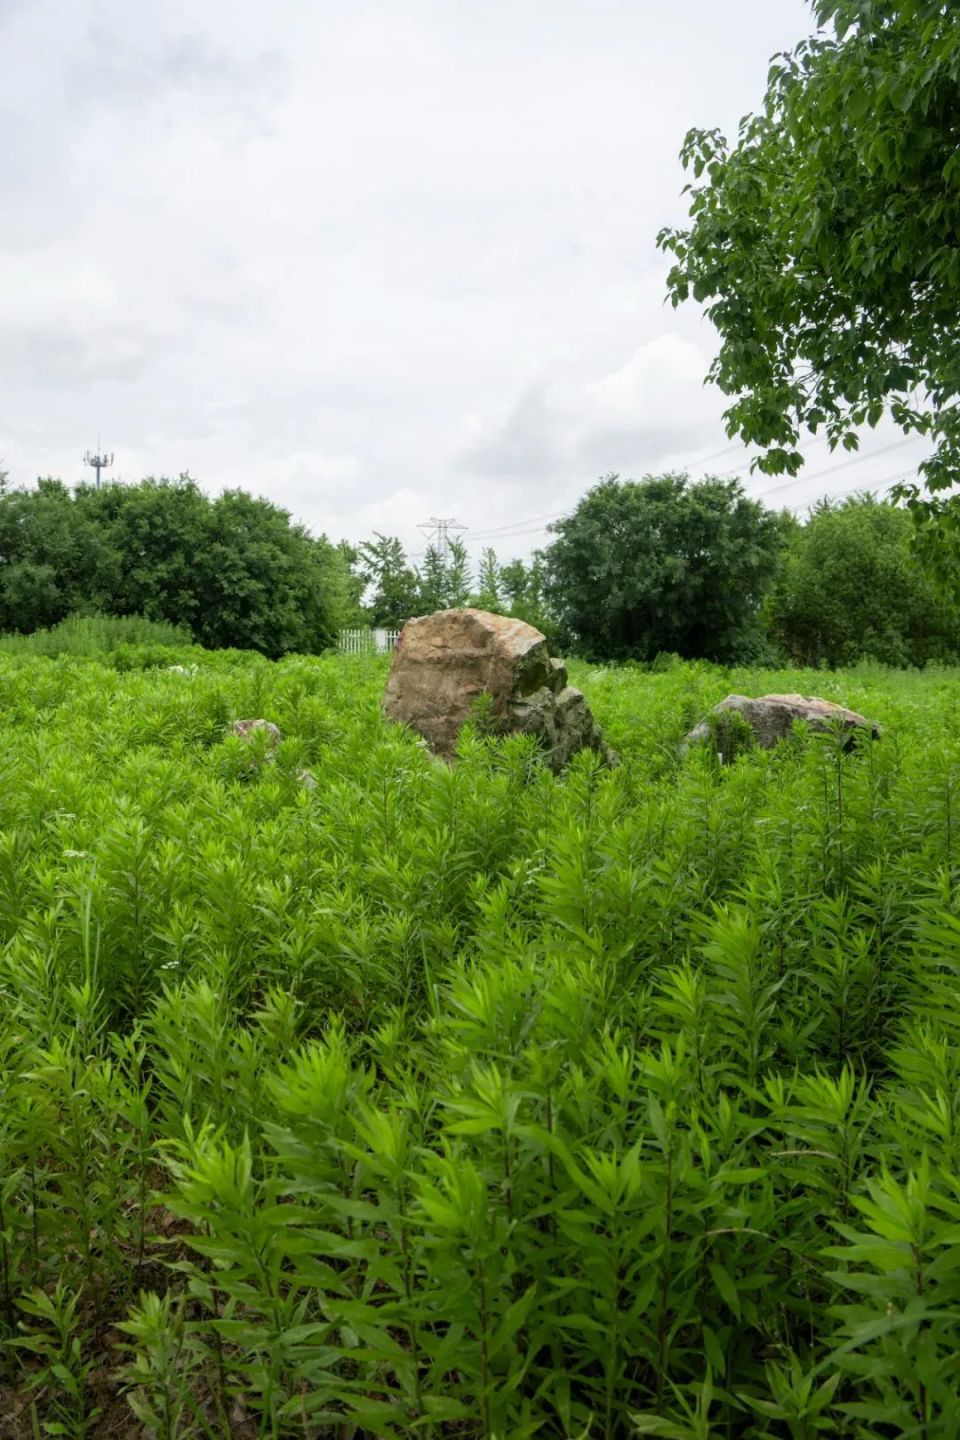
x=771, y=718
x=444, y=662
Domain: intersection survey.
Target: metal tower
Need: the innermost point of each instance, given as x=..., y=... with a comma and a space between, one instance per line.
x=439, y=531
x=98, y=460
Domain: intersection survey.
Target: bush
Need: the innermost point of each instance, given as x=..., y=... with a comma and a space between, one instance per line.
x=852, y=588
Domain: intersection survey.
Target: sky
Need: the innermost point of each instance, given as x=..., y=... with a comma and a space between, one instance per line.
x=379, y=262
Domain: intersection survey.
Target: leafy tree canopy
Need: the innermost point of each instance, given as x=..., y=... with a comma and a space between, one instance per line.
x=852, y=587
x=661, y=564
x=824, y=243
x=235, y=570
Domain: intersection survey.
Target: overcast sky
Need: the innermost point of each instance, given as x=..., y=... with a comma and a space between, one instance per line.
x=376, y=261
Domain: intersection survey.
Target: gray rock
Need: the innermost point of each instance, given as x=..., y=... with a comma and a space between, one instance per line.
x=771, y=718
x=245, y=728
x=562, y=722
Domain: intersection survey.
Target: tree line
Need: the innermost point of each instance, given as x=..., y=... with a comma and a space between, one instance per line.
x=697, y=569
x=235, y=570
x=638, y=569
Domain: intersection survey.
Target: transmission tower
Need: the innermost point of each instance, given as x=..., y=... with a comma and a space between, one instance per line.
x=98, y=461
x=439, y=530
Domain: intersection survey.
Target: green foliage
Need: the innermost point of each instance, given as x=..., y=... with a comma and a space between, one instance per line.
x=474, y=1100
x=663, y=564
x=395, y=595
x=234, y=571
x=488, y=594
x=823, y=242
x=732, y=735
x=851, y=587
x=524, y=587
x=399, y=591
x=98, y=635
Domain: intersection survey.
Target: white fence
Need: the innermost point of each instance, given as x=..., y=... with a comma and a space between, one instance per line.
x=367, y=642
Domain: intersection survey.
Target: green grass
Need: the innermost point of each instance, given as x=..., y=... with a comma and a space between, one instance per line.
x=95, y=635
x=474, y=1101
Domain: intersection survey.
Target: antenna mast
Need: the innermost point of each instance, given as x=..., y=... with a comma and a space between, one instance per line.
x=98, y=461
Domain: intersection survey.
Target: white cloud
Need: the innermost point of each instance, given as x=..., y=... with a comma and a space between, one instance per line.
x=661, y=384
x=377, y=260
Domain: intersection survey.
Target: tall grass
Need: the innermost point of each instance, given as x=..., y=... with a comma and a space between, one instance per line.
x=92, y=635
x=474, y=1101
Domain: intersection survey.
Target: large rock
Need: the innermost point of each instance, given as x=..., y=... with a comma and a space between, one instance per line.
x=771, y=718
x=444, y=662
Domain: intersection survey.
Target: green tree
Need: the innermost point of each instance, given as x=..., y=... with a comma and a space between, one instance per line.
x=392, y=581
x=44, y=527
x=525, y=589
x=851, y=587
x=266, y=583
x=823, y=243
x=432, y=582
x=661, y=564
x=31, y=597
x=353, y=585
x=488, y=594
x=443, y=578
x=235, y=570
x=159, y=533
x=457, y=580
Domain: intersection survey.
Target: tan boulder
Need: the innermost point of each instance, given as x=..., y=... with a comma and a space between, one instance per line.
x=444, y=662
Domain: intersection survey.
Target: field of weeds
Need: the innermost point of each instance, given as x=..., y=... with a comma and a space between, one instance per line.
x=420, y=1100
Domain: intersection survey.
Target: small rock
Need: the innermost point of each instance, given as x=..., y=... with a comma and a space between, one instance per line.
x=307, y=779
x=245, y=728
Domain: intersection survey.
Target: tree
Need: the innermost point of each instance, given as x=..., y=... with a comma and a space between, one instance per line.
x=824, y=242
x=43, y=529
x=444, y=578
x=457, y=579
x=383, y=565
x=432, y=582
x=851, y=587
x=30, y=596
x=525, y=590
x=353, y=585
x=488, y=593
x=235, y=570
x=266, y=583
x=661, y=564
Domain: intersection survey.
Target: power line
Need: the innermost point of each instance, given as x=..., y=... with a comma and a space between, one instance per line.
x=536, y=524
x=529, y=520
x=832, y=469
x=885, y=483
x=491, y=532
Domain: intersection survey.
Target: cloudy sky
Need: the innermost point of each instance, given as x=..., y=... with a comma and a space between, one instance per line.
x=377, y=261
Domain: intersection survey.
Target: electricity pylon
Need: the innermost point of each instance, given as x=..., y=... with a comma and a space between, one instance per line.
x=438, y=531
